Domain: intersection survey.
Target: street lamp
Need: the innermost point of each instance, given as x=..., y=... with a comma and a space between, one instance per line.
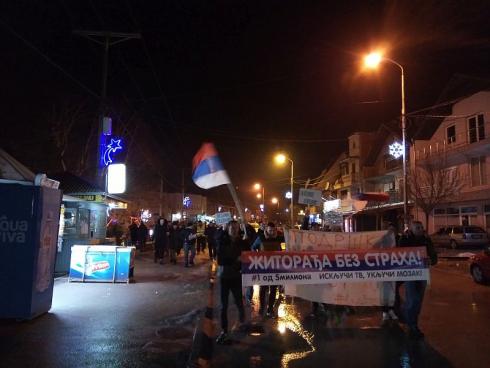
x=372, y=61
x=258, y=186
x=275, y=201
x=280, y=159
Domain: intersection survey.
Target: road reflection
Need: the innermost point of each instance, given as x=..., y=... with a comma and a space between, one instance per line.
x=288, y=319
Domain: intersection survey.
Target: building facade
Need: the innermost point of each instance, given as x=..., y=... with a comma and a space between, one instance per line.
x=462, y=143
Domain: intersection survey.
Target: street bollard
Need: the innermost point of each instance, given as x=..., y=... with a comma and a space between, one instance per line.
x=207, y=334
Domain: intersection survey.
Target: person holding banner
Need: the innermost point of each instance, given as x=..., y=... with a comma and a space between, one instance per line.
x=271, y=242
x=414, y=290
x=230, y=246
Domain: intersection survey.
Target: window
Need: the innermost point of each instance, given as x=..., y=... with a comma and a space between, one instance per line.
x=439, y=211
x=469, y=210
x=478, y=171
x=452, y=211
x=476, y=128
x=353, y=169
x=487, y=208
x=451, y=134
x=344, y=169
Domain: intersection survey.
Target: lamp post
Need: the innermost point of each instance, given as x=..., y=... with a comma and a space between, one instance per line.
x=280, y=159
x=258, y=186
x=372, y=61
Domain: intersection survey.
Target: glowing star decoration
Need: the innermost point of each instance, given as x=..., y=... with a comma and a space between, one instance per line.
x=396, y=150
x=187, y=202
x=110, y=149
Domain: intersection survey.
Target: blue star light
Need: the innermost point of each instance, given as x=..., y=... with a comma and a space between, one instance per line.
x=110, y=149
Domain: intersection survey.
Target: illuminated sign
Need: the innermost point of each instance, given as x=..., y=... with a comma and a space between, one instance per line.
x=109, y=151
x=331, y=205
x=396, y=150
x=187, y=202
x=116, y=178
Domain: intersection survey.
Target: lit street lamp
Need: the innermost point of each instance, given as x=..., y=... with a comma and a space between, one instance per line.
x=275, y=201
x=258, y=186
x=281, y=159
x=372, y=61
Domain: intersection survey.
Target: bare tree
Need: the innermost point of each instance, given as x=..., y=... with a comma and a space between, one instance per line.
x=62, y=120
x=433, y=183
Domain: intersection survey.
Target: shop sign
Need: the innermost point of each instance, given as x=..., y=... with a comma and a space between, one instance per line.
x=91, y=197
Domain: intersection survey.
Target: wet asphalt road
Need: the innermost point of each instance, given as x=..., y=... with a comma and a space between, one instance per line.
x=151, y=324
x=455, y=319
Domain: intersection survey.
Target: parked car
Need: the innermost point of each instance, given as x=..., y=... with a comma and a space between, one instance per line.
x=458, y=236
x=480, y=267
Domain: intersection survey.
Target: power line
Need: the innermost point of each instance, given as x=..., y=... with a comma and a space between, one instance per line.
x=48, y=59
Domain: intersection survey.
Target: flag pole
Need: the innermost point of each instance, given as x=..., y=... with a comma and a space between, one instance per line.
x=238, y=205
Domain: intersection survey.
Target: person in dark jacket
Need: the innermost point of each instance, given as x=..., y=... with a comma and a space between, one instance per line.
x=160, y=239
x=142, y=235
x=414, y=290
x=230, y=246
x=271, y=242
x=174, y=241
x=210, y=233
x=133, y=233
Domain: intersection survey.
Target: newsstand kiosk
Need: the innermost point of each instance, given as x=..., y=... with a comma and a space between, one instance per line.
x=29, y=219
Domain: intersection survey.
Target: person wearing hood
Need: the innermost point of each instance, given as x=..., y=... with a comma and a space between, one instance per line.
x=160, y=239
x=175, y=241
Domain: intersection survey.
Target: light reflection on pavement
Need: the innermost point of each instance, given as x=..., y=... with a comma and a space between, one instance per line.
x=288, y=318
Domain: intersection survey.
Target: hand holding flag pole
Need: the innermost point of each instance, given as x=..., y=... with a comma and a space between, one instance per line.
x=208, y=172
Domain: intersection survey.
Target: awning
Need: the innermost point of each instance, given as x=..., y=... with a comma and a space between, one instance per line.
x=372, y=196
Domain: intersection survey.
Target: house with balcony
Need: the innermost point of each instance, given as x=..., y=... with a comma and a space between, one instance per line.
x=342, y=179
x=461, y=143
x=381, y=173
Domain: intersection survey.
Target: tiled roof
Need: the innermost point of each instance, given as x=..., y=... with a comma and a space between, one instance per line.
x=71, y=184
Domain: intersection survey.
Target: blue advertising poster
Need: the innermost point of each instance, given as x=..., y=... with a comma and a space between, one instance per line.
x=29, y=218
x=104, y=263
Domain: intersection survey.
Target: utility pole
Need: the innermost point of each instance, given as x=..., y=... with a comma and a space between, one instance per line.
x=183, y=193
x=161, y=195
x=104, y=38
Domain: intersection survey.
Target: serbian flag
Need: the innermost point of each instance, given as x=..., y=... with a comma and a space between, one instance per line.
x=207, y=169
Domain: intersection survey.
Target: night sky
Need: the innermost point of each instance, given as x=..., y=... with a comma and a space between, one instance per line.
x=251, y=76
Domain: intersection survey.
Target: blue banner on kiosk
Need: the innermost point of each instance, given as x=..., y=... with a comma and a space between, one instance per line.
x=29, y=220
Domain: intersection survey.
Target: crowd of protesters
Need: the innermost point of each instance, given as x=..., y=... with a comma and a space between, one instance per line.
x=226, y=243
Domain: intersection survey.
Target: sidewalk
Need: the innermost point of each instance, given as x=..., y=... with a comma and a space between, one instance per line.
x=148, y=323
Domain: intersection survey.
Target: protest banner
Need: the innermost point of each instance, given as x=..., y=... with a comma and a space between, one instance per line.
x=370, y=293
x=296, y=268
x=222, y=218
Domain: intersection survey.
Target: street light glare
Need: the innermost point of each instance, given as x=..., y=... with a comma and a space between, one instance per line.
x=372, y=60
x=257, y=186
x=280, y=158
x=274, y=200
x=259, y=195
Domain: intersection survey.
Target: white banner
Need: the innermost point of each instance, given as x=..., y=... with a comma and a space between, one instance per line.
x=306, y=278
x=359, y=293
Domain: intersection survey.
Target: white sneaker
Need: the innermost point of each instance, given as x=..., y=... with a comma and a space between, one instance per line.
x=392, y=314
x=386, y=317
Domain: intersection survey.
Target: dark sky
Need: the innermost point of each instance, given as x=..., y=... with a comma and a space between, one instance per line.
x=251, y=76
